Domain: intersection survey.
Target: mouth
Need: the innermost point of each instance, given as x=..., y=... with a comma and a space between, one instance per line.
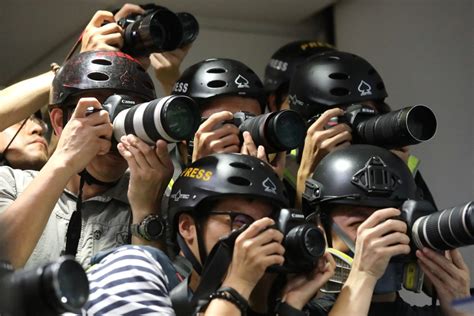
x=40, y=141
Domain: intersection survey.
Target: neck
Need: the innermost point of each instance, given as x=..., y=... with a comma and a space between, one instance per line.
x=88, y=191
x=388, y=297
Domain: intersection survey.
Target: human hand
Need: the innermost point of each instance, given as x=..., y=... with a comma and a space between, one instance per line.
x=98, y=36
x=150, y=172
x=379, y=238
x=249, y=148
x=209, y=140
x=449, y=275
x=300, y=289
x=127, y=9
x=255, y=250
x=166, y=66
x=84, y=136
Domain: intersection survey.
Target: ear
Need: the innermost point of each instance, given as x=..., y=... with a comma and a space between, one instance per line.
x=56, y=117
x=271, y=102
x=187, y=228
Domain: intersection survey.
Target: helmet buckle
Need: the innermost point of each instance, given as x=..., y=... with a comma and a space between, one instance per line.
x=312, y=191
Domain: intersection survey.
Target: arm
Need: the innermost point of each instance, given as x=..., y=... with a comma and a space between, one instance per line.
x=449, y=274
x=379, y=238
x=150, y=172
x=24, y=98
x=318, y=143
x=166, y=67
x=81, y=140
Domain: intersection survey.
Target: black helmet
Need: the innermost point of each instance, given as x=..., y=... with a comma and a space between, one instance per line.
x=284, y=61
x=221, y=175
x=219, y=77
x=333, y=78
x=96, y=70
x=362, y=175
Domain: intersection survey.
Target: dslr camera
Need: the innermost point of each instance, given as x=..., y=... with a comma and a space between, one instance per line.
x=157, y=30
x=276, y=131
x=52, y=289
x=408, y=126
x=303, y=241
x=172, y=118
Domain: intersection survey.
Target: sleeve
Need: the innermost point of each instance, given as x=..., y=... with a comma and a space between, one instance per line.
x=8, y=189
x=128, y=282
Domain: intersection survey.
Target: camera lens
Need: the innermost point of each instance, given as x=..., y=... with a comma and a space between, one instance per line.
x=408, y=126
x=190, y=28
x=288, y=130
x=444, y=230
x=314, y=242
x=66, y=285
x=173, y=118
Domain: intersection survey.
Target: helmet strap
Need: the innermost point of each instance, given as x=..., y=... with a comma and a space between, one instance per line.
x=188, y=254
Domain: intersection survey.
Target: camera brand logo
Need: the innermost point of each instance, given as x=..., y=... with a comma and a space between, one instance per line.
x=178, y=196
x=269, y=186
x=364, y=88
x=241, y=82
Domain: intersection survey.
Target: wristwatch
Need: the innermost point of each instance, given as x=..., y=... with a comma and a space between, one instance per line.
x=151, y=228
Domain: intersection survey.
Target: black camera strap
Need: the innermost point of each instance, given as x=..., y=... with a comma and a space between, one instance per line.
x=73, y=233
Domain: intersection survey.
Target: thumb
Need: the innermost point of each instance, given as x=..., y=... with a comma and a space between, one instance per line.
x=83, y=105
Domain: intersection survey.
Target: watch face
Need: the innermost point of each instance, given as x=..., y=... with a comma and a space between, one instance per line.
x=154, y=228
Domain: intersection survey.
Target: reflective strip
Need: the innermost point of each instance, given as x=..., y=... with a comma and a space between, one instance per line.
x=413, y=164
x=170, y=184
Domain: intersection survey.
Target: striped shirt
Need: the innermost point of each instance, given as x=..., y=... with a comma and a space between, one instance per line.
x=129, y=281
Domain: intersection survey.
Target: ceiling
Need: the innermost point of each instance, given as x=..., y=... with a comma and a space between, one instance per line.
x=33, y=31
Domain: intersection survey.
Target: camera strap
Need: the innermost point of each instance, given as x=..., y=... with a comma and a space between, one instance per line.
x=73, y=233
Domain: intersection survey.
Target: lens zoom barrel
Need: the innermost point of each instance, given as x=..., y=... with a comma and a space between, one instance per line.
x=408, y=126
x=173, y=118
x=276, y=131
x=444, y=230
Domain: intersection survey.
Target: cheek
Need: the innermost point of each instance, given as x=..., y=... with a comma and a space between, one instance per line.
x=213, y=231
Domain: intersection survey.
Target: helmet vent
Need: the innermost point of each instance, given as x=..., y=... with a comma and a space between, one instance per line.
x=216, y=70
x=332, y=58
x=98, y=76
x=103, y=62
x=239, y=181
x=340, y=92
x=216, y=84
x=339, y=76
x=240, y=165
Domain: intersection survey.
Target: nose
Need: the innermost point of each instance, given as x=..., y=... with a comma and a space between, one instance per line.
x=37, y=126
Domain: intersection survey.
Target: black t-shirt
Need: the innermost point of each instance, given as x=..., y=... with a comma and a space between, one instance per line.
x=322, y=306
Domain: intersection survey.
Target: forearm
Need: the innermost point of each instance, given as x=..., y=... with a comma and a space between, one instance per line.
x=22, y=99
x=302, y=175
x=218, y=307
x=24, y=220
x=355, y=296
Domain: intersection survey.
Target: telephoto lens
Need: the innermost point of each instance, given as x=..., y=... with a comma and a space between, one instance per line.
x=303, y=241
x=173, y=118
x=276, y=131
x=408, y=126
x=190, y=28
x=58, y=287
x=447, y=229
x=157, y=31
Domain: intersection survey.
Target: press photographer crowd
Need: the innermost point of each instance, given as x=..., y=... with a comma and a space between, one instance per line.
x=231, y=195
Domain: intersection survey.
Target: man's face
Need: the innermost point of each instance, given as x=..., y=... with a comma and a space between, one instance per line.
x=232, y=104
x=29, y=149
x=217, y=226
x=348, y=218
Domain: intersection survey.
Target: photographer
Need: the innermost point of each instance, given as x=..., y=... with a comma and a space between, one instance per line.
x=281, y=67
x=80, y=201
x=228, y=191
x=323, y=87
x=358, y=192
x=223, y=87
x=103, y=33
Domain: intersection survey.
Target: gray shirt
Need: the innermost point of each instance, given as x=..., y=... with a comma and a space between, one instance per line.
x=105, y=218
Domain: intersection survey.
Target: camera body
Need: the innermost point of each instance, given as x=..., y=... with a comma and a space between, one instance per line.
x=304, y=242
x=276, y=131
x=408, y=126
x=157, y=30
x=55, y=288
x=172, y=118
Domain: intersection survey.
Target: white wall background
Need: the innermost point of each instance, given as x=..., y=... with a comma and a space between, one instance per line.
x=423, y=50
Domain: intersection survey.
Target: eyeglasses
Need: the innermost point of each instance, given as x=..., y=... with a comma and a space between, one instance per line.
x=237, y=219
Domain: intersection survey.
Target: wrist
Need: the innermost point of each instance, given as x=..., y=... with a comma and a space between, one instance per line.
x=360, y=281
x=244, y=288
